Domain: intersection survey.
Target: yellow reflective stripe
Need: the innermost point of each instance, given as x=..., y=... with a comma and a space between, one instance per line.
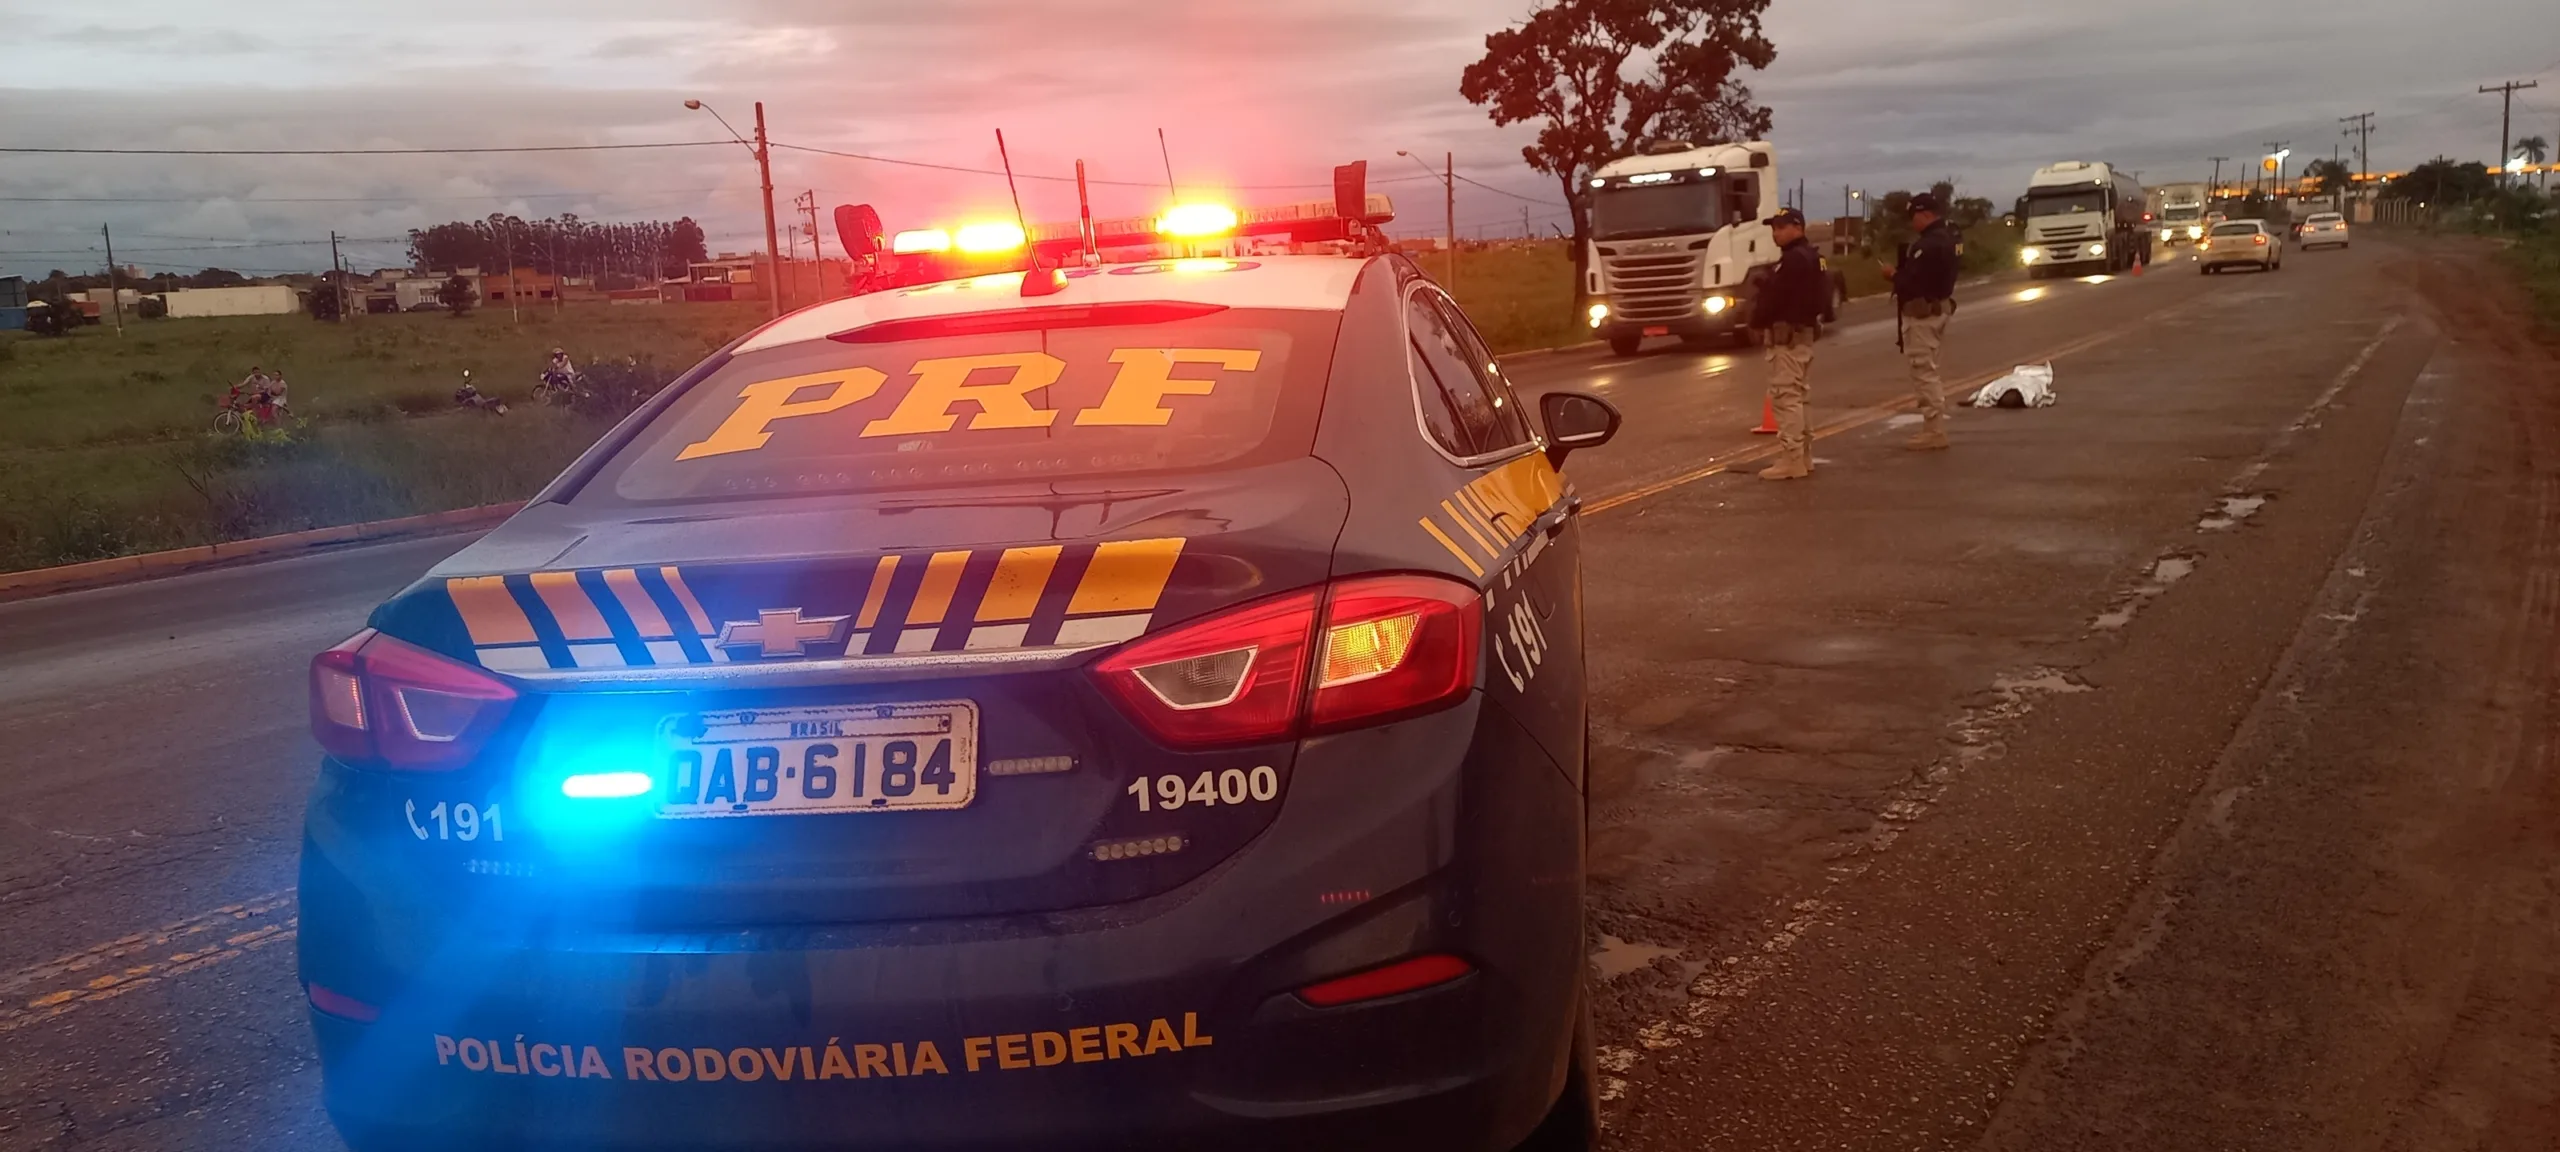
x=684, y=596
x=1021, y=575
x=576, y=615
x=1452, y=546
x=1126, y=576
x=636, y=603
x=1468, y=527
x=879, y=591
x=1468, y=500
x=489, y=611
x=941, y=579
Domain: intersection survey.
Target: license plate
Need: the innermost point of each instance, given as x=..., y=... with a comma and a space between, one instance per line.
x=1657, y=330
x=845, y=758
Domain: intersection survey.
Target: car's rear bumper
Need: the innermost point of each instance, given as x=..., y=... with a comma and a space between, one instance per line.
x=1168, y=1023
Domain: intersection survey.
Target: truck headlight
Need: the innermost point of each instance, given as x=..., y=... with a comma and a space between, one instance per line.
x=2026, y=255
x=2195, y=233
x=1716, y=305
x=2097, y=249
x=1599, y=312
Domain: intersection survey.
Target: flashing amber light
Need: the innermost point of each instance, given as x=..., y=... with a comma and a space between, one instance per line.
x=1368, y=649
x=1197, y=220
x=916, y=240
x=994, y=236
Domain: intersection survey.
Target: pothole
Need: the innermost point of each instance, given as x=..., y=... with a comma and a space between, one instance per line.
x=1616, y=957
x=2165, y=573
x=2232, y=511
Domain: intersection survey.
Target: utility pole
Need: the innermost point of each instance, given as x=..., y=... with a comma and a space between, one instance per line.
x=507, y=253
x=339, y=283
x=772, y=242
x=2506, y=120
x=1525, y=233
x=115, y=298
x=808, y=202
x=2361, y=125
x=1449, y=203
x=2216, y=188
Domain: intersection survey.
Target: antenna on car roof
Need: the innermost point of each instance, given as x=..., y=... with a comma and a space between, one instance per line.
x=1084, y=218
x=1036, y=280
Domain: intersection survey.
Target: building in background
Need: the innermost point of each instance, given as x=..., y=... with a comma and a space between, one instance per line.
x=254, y=300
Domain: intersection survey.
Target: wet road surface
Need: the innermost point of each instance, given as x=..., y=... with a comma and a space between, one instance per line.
x=2167, y=768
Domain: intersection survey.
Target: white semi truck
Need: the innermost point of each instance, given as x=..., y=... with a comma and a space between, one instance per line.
x=2177, y=212
x=1677, y=243
x=2082, y=215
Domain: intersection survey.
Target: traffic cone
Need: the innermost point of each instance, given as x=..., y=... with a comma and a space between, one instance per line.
x=1768, y=419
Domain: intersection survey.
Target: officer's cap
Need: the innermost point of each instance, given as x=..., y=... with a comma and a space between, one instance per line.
x=1925, y=202
x=1786, y=216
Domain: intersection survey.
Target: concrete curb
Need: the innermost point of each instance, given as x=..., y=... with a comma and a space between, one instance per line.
x=127, y=569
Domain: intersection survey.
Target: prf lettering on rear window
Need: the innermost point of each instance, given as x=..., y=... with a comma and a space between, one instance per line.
x=1136, y=397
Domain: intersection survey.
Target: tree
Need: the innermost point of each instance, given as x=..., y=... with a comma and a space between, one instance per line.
x=328, y=298
x=457, y=296
x=2535, y=150
x=1606, y=78
x=2332, y=176
x=1968, y=211
x=2442, y=180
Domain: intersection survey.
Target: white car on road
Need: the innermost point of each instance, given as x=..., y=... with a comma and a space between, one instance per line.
x=2323, y=228
x=2248, y=242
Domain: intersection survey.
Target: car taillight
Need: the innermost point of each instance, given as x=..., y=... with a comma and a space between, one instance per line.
x=2260, y=241
x=1394, y=979
x=1394, y=646
x=1388, y=647
x=377, y=702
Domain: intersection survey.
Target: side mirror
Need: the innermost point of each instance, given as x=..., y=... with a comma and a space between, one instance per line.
x=1575, y=420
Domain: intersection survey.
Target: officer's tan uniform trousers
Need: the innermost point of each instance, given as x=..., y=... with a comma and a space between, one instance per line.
x=1788, y=364
x=1921, y=336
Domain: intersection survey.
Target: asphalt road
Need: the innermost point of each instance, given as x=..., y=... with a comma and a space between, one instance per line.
x=2167, y=768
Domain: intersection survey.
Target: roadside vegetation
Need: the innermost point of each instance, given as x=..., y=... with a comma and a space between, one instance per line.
x=107, y=449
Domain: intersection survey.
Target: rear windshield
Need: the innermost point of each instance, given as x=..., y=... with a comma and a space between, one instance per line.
x=1234, y=387
x=2327, y=218
x=2237, y=228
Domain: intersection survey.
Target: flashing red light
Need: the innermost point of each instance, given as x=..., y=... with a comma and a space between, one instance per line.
x=1394, y=979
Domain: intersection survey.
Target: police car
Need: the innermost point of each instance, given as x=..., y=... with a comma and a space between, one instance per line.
x=1117, y=705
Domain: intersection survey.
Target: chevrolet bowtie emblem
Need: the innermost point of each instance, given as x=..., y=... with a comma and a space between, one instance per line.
x=781, y=632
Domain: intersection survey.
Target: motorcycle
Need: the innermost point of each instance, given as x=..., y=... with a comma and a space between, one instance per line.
x=560, y=388
x=469, y=396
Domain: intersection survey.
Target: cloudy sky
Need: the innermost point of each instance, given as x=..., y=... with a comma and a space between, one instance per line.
x=1253, y=96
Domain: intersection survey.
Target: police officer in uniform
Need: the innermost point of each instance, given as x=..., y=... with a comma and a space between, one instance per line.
x=1788, y=312
x=1924, y=289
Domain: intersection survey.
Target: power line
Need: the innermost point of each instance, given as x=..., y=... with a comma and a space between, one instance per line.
x=1066, y=179
x=351, y=199
x=358, y=151
x=1513, y=195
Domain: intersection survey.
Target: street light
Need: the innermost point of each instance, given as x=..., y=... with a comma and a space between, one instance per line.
x=764, y=173
x=1449, y=203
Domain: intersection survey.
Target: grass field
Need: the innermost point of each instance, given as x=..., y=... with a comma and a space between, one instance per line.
x=162, y=378
x=2536, y=257
x=105, y=448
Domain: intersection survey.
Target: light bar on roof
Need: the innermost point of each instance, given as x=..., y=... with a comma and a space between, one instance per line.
x=916, y=240
x=1188, y=220
x=994, y=236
